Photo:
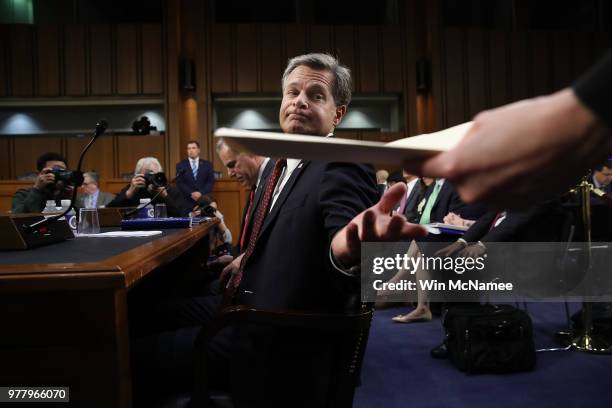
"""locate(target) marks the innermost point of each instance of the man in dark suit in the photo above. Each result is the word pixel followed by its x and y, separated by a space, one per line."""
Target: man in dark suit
pixel 602 180
pixel 440 199
pixel 303 255
pixel 194 176
pixel 251 172
pixel 303 251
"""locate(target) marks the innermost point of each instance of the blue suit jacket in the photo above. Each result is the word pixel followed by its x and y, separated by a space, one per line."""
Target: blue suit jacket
pixel 186 183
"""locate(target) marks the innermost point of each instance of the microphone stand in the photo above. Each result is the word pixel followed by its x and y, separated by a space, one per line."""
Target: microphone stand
pixel 100 128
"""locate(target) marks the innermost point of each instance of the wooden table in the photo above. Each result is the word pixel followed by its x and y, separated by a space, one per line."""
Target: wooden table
pixel 65 324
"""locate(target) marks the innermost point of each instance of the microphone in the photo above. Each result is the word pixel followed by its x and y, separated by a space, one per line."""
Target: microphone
pixel 100 129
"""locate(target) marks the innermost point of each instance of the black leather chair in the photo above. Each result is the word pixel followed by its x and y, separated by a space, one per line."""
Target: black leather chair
pixel 350 330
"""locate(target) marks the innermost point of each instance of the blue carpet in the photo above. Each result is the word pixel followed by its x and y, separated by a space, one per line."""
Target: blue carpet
pixel 398 371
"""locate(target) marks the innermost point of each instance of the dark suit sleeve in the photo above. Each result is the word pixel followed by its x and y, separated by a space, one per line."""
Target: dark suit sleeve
pixel 346 190
pixel 121 200
pixel 594 88
pixel 514 222
pixel 177 205
pixel 206 186
pixel 480 228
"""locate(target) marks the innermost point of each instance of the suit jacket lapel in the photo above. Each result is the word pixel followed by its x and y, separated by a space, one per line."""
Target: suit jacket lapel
pixel 262 183
pixel 284 194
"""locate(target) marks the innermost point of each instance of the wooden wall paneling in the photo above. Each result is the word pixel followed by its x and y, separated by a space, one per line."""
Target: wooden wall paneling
pixel 22 63
pixel 519 66
pixel 344 47
pixel 369 59
pixel 295 37
pixel 561 60
pixel 498 68
pixel 47 44
pixel 347 134
pixel 582 52
pixel 75 75
pixel 151 57
pixel 271 57
pixel 4 59
pixel 541 67
pixel 100 157
pixel 455 99
pixel 131 148
pixel 320 38
pixel 477 74
pixel 126 63
pixel 5 158
pixel 231 199
pixel 220 58
pixel 101 59
pixel 171 140
pixel 384 137
pixel 29 148
pixel 393 60
pixel 246 58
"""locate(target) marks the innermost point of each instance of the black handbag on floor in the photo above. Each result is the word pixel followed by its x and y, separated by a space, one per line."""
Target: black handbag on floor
pixel 489 338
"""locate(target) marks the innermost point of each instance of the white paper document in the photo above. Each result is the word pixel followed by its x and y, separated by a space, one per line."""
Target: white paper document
pixel 274 144
pixel 111 234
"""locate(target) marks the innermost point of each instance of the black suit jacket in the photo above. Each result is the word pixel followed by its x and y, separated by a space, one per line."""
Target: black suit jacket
pixel 414 198
pixel 290 269
pixel 448 200
pixel 537 223
pixel 186 183
pixel 256 199
pixel 290 266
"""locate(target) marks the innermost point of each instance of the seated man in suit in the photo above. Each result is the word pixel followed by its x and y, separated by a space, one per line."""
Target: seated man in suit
pixel 194 176
pixel 139 188
pixel 251 172
pixel 602 180
pixel 92 197
pixel 46 187
pixel 303 253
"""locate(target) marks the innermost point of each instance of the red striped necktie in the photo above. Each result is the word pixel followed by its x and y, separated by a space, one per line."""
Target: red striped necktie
pixel 262 211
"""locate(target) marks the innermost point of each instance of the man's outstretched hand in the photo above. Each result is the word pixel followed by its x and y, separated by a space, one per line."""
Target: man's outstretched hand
pixel 374 225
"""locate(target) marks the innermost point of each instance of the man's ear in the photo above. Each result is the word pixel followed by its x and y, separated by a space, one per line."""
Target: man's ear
pixel 340 112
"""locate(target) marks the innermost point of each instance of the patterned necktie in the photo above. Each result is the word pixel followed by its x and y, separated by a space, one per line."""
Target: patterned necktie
pixel 426 216
pixel 262 211
pixel 194 168
pixel 246 217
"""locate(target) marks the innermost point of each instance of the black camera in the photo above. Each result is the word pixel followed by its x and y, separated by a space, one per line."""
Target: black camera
pixel 67 176
pixel 156 179
pixel 143 126
pixel 209 211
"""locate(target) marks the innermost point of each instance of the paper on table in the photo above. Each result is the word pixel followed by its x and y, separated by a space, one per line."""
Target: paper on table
pixel 122 234
pixel 332 149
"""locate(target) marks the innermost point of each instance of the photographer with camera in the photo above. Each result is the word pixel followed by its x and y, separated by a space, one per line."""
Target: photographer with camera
pixel 52 183
pixel 149 181
pixel 221 238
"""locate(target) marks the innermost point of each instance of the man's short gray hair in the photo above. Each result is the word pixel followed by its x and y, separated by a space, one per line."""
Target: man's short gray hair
pixel 93 176
pixel 147 162
pixel 341 87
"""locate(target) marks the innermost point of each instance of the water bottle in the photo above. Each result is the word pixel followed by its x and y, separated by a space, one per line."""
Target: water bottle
pixel 70 216
pixel 146 211
pixel 49 207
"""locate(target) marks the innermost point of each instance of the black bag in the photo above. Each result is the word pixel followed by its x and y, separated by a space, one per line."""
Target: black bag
pixel 489 338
